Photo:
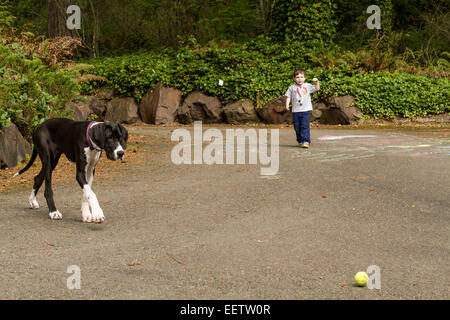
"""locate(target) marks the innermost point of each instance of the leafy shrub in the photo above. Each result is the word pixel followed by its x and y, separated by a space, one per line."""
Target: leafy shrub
pixel 302 20
pixel 37 79
pixel 6 17
pixel 387 95
pixel 57 51
pixel 261 70
pixel 31 92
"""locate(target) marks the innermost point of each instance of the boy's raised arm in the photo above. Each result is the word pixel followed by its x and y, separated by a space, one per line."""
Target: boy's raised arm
pixel 317 83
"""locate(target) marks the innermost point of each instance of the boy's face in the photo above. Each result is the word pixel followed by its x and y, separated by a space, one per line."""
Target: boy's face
pixel 300 79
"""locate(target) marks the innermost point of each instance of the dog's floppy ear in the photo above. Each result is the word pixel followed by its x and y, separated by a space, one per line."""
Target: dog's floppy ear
pixel 123 136
pixel 98 134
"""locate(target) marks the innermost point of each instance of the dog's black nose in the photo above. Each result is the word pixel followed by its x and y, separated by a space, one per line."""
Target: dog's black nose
pixel 120 154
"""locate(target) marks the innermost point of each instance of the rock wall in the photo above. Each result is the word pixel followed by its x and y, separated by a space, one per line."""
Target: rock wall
pixel 163 104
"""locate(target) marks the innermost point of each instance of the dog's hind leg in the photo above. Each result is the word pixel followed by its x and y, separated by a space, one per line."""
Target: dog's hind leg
pixel 38 180
pixel 48 164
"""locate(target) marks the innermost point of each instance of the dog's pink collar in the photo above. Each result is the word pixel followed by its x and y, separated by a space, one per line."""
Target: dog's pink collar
pixel 88 138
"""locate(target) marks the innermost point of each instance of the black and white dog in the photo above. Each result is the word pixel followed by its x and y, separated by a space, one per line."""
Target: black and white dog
pixel 82 142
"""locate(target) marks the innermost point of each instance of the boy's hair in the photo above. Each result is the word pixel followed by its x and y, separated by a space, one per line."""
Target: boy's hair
pixel 298 71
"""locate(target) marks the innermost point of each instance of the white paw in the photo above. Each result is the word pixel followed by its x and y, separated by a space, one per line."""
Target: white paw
pixel 98 216
pixel 34 204
pixel 55 215
pixel 91 199
pixel 86 215
pixel 32 200
pixel 87 219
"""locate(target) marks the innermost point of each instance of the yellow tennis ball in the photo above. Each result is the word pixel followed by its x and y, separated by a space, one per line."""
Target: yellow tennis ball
pixel 361 278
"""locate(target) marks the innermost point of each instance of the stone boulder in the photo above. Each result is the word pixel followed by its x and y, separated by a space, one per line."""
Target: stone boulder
pixel 316 112
pixel 200 107
pixel 81 109
pixel 98 106
pixel 13 147
pixel 122 110
pixel 86 106
pixel 160 105
pixel 340 110
pixel 274 112
pixel 242 111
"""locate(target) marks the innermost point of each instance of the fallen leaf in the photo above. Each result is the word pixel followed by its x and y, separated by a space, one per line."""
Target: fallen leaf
pixel 174 258
pixel 48 243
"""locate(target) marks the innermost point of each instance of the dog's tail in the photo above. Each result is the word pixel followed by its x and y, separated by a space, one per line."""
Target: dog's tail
pixel 33 157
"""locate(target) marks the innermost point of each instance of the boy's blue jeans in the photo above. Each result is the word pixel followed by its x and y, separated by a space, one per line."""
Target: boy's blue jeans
pixel 301 126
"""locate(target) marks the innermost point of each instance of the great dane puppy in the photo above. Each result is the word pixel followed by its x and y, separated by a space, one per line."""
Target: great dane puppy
pixel 81 142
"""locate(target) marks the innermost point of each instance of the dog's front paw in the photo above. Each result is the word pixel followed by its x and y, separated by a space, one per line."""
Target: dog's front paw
pixel 55 215
pixel 87 217
pixel 98 216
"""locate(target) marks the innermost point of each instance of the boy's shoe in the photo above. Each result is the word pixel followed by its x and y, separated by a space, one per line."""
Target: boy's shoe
pixel 304 145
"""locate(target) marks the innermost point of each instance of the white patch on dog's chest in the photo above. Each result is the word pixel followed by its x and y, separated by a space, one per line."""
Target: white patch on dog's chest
pixel 92 157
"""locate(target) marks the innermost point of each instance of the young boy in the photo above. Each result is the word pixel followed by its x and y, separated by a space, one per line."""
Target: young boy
pixel 300 95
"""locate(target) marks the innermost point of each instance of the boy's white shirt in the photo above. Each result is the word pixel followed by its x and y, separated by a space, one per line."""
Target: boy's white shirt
pixel 304 98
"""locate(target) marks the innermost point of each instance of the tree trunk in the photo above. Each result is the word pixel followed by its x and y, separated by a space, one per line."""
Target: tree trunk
pixel 94 48
pixel 57 18
pixel 266 9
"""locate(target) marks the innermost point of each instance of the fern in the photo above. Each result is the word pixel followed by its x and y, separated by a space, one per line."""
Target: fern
pixel 30 91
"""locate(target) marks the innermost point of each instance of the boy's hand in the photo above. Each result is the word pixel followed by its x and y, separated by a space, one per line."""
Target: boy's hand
pixel 317 83
pixel 288 101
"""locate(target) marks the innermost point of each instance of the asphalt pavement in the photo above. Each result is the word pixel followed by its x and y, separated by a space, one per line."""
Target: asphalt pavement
pixel 357 200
